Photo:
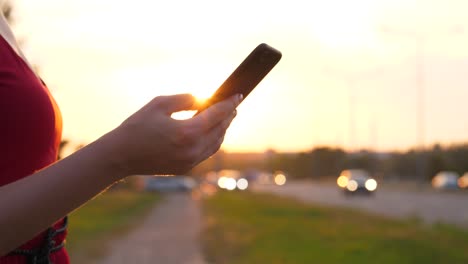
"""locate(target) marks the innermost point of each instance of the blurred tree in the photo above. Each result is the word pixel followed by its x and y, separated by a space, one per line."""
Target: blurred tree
pixel 317 163
pixel 65 148
pixel 437 161
pixel 402 165
pixel 269 160
pixel 301 165
pixel 283 162
pixel 458 157
pixel 62 145
pixel 364 160
pixel 327 162
pixel 79 146
pixel 7 9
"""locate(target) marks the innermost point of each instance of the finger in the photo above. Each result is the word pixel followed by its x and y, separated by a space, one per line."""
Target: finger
pixel 217 113
pixel 175 103
pixel 213 148
pixel 220 129
pixel 210 150
pixel 212 142
pixel 215 137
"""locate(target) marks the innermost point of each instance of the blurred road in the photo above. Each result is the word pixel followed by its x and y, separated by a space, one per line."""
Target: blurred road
pixel 429 206
pixel 168 235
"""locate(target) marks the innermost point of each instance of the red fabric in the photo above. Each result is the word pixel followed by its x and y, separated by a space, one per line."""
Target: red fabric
pixel 30 133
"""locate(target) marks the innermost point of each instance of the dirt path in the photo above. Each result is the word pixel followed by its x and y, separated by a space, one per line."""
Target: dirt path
pixel 168 235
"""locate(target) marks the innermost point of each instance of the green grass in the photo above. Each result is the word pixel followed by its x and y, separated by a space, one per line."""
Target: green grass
pixel 103 219
pixel 261 228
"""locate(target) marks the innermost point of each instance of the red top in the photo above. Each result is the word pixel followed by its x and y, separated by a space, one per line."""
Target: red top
pixel 30 133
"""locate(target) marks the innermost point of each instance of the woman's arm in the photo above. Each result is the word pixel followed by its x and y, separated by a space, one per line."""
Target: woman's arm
pixel 149 142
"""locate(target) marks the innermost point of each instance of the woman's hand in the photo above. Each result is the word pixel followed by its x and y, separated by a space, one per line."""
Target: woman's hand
pixel 151 142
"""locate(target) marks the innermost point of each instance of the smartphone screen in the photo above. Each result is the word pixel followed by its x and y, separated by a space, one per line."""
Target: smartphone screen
pixel 247 75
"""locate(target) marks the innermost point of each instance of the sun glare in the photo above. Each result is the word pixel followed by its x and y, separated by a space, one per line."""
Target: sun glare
pixel 345 24
pixel 183 115
pixel 200 97
pixel 141 83
pixel 202 94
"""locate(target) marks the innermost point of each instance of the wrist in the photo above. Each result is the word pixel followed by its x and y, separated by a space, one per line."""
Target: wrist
pixel 113 156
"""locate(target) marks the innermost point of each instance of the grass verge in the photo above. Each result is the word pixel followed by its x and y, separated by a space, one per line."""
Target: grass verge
pixel 103 219
pixel 261 228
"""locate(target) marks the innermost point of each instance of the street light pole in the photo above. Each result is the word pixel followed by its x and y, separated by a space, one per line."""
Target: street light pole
pixel 352 82
pixel 420 86
pixel 420 43
pixel 352 120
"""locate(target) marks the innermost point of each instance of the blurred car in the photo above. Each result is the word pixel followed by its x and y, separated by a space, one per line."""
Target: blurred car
pixel 463 181
pixel 170 183
pixel 445 180
pixel 356 181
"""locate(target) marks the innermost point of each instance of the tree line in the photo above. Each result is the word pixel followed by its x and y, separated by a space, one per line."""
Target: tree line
pixel 328 162
pixel 418 165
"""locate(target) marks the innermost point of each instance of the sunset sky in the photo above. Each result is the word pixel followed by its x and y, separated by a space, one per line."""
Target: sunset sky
pixel 348 76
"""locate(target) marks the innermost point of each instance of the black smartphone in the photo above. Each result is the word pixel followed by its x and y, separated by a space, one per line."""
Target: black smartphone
pixel 247 75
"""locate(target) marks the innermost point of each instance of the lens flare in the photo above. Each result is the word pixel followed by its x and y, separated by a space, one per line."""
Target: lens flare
pixel 463 181
pixel 222 182
pixel 280 179
pixel 230 184
pixel 342 181
pixel 242 184
pixel 371 185
pixel 352 185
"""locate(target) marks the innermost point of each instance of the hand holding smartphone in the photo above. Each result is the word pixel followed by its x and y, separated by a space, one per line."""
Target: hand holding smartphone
pixel 247 75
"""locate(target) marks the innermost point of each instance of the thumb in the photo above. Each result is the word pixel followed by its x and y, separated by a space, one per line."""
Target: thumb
pixel 175 103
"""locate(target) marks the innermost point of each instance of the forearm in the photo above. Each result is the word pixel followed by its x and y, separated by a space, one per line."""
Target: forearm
pixel 148 142
pixel 32 204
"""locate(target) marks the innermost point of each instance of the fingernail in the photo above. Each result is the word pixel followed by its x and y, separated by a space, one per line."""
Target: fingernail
pixel 241 96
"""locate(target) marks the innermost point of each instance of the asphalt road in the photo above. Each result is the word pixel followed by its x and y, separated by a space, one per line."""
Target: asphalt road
pixel 429 206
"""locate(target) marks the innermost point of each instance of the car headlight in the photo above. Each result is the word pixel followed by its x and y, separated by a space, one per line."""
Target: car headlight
pixel 371 185
pixel 352 185
pixel 342 181
pixel 242 184
pixel 231 184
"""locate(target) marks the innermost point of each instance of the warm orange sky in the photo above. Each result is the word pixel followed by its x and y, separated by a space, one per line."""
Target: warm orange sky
pixel 105 59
